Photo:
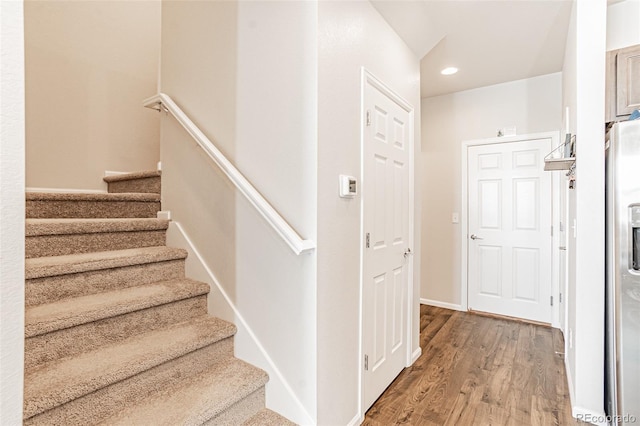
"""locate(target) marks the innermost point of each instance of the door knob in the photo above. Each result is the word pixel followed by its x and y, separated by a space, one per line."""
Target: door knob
pixel 407 252
pixel 475 237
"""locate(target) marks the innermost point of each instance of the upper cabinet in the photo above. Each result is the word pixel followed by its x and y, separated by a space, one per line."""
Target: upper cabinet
pixel 623 83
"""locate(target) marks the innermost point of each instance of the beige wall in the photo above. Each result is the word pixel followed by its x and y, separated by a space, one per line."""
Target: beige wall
pixel 89 65
pixel 351 34
pixel 532 105
pixel 240 75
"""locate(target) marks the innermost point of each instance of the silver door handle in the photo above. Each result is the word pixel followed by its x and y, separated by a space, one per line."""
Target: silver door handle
pixel 407 252
pixel 475 237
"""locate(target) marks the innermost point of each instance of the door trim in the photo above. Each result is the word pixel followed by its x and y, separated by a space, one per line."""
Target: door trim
pixel 555 213
pixel 368 77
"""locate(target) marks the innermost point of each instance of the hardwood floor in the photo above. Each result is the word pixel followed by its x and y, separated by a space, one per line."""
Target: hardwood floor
pixel 477 370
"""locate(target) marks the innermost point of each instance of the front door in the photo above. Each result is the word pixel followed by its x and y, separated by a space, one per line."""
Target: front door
pixel 509 229
pixel 386 258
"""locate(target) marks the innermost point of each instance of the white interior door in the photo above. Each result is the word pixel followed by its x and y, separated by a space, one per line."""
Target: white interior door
pixel 385 279
pixel 509 229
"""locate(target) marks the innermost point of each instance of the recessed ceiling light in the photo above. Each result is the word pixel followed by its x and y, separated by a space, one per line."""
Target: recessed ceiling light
pixel 449 71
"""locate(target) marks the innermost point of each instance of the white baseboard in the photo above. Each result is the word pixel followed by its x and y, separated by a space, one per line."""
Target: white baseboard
pixel 66 190
pixel 358 419
pixel 108 173
pixel 291 406
pixel 572 395
pixel 589 416
pixel 164 215
pixel 440 304
pixel 580 412
pixel 415 355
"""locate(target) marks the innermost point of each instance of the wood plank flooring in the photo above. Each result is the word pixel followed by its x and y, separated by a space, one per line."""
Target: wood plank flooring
pixel 477 370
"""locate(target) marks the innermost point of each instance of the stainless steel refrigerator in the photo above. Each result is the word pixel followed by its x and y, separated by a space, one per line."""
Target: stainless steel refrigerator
pixel 623 273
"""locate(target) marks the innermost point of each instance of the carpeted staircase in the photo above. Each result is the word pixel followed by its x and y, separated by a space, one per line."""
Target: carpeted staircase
pixel 115 333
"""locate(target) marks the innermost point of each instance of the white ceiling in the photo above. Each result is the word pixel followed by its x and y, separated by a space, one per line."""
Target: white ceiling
pixel 490 41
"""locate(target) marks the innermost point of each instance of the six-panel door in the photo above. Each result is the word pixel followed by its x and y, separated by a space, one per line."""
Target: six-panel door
pixel 509 214
pixel 386 220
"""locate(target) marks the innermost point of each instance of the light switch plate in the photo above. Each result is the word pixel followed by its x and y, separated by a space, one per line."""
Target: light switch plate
pixel 455 218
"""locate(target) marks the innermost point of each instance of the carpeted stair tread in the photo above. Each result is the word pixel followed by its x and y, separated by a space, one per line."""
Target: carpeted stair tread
pixel 36 227
pixel 67 313
pixel 197 400
pixel 59 237
pixel 147 182
pixel 95 197
pixel 90 336
pixel 51 288
pixel 92 205
pixel 107 402
pixel 64 380
pixel 266 417
pixel 133 175
pixel 82 262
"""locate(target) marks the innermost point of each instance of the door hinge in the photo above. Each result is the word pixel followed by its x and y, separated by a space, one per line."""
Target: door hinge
pixel 552 230
pixel 551 300
pixel 560 297
pixel 367 239
pixel 368 120
pixel 366 362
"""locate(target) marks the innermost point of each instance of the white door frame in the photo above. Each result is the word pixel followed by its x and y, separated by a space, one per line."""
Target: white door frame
pixel 555 212
pixel 368 77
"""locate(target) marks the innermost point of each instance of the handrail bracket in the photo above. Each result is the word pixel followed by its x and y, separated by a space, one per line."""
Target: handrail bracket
pixel 158 106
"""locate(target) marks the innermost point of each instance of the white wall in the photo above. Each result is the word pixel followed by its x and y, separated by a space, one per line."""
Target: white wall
pixel 623 24
pixel 89 65
pixel 245 72
pixel 11 211
pixel 583 84
pixel 532 105
pixel 569 99
pixel 351 34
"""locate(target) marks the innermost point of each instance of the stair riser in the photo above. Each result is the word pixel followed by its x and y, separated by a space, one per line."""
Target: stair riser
pixel 74 340
pixel 42 209
pixel 60 245
pixel 106 402
pixel 51 289
pixel 239 412
pixel 146 185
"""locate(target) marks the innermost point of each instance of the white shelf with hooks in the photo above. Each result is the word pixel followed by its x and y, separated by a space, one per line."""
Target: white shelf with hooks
pixel 562 157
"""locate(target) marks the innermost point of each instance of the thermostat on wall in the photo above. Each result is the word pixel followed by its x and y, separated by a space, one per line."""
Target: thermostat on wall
pixel 348 186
